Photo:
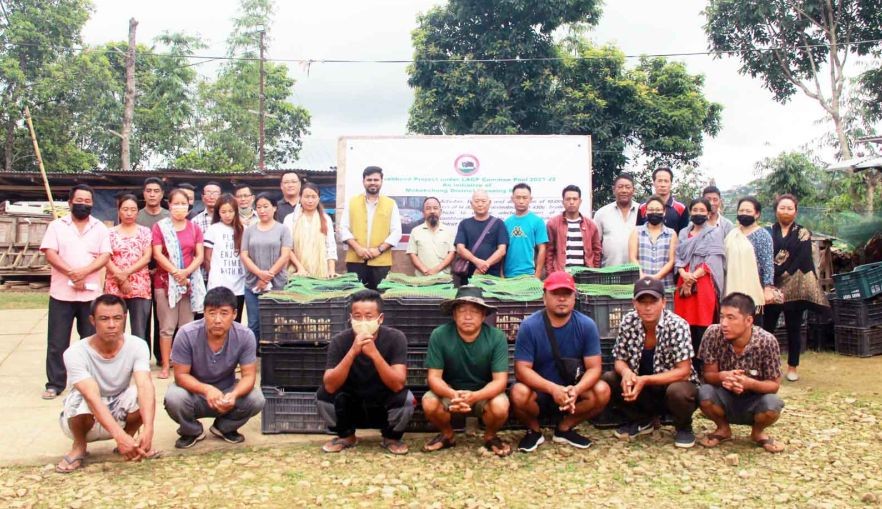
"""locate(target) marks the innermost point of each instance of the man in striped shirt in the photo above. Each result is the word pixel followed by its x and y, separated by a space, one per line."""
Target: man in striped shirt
pixel 573 239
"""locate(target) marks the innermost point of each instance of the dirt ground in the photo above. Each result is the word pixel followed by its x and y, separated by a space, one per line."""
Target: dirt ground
pixel 831 430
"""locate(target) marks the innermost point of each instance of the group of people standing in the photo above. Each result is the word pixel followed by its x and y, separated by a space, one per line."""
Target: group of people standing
pixel 170 260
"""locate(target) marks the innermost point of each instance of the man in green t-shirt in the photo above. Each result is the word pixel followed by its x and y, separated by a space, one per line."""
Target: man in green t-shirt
pixel 467 362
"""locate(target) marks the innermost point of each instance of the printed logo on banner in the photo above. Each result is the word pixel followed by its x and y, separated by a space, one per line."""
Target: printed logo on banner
pixel 466 165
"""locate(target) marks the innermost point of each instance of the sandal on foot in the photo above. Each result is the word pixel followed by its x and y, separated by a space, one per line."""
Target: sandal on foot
pixel 50 393
pixel 497 447
pixel 713 440
pixel 433 444
pixel 396 447
pixel 71 464
pixel 770 445
pixel 339 444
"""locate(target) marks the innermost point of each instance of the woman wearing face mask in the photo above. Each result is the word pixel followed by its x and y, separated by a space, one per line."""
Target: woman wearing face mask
pixel 795 276
pixel 652 245
pixel 223 240
pixel 127 274
pixel 314 252
pixel 749 267
pixel 700 260
pixel 265 252
pixel 178 285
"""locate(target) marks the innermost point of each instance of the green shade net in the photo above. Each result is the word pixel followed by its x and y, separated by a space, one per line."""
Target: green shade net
pixel 615 269
pixel 623 292
pixel 305 289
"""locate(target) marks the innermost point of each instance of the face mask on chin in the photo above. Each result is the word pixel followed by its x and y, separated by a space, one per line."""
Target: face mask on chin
pixel 367 327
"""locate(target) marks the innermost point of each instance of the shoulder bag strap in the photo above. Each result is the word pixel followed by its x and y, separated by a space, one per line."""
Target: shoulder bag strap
pixel 555 351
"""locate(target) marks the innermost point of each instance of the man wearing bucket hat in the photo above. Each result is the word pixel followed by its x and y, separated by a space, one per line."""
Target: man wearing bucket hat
pixel 557 364
pixel 653 371
pixel 467 364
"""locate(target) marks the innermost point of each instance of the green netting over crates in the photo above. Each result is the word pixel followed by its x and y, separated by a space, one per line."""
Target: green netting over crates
pixel 304 289
pixel 397 279
pixel 624 292
pixel 614 275
pixel 442 291
pixel 517 289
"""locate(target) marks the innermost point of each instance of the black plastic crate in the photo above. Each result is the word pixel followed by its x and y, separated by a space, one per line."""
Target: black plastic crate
pixel 415 317
pixel 288 322
pixel 821 337
pixel 300 367
pixel 784 341
pixel 626 277
pixel 606 312
pixel 857 312
pixel 510 314
pixel 417 372
pixel 858 341
pixel 290 412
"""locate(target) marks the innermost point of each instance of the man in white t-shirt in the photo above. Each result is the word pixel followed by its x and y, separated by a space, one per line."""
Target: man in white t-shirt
pixel 102 403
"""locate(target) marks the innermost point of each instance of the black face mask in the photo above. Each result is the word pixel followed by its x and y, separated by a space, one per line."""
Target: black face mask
pixel 80 210
pixel 699 220
pixel 745 219
pixel 655 219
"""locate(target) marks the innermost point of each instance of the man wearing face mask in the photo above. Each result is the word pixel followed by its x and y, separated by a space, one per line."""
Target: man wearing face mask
pixel 431 244
pixel 190 190
pixel 76 247
pixel 364 380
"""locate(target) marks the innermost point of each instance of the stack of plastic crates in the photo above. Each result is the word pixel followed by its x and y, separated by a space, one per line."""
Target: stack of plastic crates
pixel 857 311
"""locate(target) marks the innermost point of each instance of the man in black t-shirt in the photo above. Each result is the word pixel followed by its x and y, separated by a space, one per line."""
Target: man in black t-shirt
pixel 364 381
pixel 484 258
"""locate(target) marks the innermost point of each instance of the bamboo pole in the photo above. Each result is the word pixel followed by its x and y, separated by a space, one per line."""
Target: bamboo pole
pixel 27 113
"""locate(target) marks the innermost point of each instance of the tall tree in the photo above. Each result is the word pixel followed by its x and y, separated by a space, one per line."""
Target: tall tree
pixel 228 107
pixel 129 107
pixel 797 45
pixel 655 111
pixel 33 34
pixel 788 173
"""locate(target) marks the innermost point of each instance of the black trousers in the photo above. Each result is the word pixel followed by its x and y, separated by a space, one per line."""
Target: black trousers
pixel 678 399
pixel 345 411
pixel 793 324
pixel 62 314
pixel 370 276
pixel 697 332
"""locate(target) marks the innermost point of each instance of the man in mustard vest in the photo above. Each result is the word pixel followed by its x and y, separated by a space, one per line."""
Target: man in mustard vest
pixel 370 226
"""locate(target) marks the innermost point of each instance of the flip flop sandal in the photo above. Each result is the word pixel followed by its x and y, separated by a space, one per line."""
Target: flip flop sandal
pixel 770 442
pixel 446 443
pixel 718 438
pixel 70 462
pixel 341 442
pixel 49 394
pixel 497 447
pixel 388 444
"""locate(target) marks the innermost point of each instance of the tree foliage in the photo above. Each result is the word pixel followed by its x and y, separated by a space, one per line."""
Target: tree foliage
pixel 76 96
pixel 788 173
pixel 797 45
pixel 654 111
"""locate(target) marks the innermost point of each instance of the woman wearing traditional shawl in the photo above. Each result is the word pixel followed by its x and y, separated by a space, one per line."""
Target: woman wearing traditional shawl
pixel 700 262
pixel 178 285
pixel 315 250
pixel 749 267
pixel 795 277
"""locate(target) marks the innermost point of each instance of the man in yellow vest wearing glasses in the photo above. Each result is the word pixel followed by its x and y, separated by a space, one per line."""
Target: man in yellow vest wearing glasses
pixel 370 226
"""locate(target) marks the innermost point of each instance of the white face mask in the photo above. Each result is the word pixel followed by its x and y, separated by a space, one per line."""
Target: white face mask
pixel 368 327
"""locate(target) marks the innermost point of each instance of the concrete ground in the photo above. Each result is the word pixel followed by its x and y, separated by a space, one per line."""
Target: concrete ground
pixel 30 434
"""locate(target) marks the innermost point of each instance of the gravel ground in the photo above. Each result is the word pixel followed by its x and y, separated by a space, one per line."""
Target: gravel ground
pixel 833 459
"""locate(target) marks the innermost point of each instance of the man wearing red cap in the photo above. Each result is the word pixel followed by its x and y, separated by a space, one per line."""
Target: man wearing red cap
pixel 557 364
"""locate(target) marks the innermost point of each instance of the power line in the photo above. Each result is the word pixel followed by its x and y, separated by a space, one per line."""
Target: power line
pixel 310 61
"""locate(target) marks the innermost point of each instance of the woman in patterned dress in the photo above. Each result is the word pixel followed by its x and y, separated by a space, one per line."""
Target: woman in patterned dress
pixel 749 267
pixel 653 245
pixel 127 274
pixel 795 276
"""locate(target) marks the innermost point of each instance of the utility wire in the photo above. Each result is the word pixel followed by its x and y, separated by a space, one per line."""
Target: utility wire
pixel 309 61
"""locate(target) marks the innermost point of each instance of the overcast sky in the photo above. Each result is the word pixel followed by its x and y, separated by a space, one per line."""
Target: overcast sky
pixel 373 99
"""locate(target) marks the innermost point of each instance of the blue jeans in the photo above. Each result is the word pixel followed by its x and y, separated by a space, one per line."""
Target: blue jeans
pixel 252 306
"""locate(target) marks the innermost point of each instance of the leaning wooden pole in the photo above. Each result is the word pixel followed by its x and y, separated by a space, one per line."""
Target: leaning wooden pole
pixel 27 113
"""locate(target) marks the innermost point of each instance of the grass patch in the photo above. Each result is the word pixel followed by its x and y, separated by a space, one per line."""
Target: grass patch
pixel 24 300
